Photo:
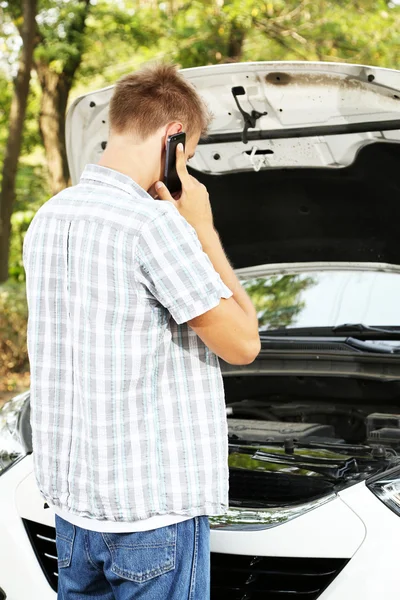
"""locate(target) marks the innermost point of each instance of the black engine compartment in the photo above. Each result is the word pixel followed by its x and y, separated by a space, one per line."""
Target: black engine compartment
pixel 344 405
pixel 294 439
pixel 311 214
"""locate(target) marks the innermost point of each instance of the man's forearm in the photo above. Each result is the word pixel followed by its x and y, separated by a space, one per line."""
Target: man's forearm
pixel 212 246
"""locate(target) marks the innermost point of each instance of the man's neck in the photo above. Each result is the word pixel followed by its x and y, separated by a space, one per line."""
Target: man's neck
pixel 131 162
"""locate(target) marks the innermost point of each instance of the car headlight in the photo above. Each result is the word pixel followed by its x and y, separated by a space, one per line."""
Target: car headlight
pixel 386 487
pixel 15 437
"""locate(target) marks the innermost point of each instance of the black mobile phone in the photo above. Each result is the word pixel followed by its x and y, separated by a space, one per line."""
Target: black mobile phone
pixel 171 178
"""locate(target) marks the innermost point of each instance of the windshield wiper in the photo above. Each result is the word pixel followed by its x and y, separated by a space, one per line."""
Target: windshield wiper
pixel 356 330
pixel 352 328
pixel 368 346
pixel 277 342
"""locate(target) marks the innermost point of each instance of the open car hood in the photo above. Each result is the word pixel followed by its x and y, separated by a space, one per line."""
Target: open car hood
pixel 312 179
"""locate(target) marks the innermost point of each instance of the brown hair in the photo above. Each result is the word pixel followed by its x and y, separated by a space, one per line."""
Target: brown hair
pixel 154 96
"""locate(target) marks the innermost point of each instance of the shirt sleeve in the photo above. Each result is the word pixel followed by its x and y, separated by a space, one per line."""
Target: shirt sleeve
pixel 173 266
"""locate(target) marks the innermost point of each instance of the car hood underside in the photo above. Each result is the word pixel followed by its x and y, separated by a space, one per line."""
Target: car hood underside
pixel 311 214
pixel 313 174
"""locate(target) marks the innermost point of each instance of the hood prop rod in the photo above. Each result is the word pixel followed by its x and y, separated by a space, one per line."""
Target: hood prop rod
pixel 250 120
pixel 304 131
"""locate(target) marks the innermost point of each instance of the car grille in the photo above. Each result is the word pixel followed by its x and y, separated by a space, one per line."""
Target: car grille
pixel 43 540
pixel 237 577
pixel 233 577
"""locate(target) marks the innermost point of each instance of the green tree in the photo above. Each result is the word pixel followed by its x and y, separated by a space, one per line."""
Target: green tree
pixel 366 31
pixel 58 53
pixel 65 36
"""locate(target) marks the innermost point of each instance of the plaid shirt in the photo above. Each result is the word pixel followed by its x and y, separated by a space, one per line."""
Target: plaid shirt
pixel 128 412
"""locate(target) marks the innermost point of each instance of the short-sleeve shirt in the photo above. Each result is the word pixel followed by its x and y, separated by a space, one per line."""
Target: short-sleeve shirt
pixel 127 403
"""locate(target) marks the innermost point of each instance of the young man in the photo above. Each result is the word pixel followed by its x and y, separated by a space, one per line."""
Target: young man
pixel 131 302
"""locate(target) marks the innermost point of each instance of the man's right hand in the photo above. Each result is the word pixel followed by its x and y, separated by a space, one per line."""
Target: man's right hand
pixel 193 203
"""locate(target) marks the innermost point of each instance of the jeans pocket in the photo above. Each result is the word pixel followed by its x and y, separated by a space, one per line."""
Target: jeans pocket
pixel 65 536
pixel 142 555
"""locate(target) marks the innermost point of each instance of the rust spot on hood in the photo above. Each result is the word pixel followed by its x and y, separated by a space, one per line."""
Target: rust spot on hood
pixel 278 78
pixel 321 79
pixel 362 82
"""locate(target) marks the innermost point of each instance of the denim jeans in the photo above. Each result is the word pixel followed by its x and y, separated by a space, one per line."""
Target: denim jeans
pixel 168 563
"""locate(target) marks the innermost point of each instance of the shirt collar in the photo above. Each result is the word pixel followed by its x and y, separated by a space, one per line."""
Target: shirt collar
pixel 101 174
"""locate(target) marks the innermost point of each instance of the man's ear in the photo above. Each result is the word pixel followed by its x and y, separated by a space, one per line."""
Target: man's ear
pixel 171 129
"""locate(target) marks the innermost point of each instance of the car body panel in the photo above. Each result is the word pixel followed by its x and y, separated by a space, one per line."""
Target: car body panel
pixel 332 532
pixel 20 573
pixel 373 571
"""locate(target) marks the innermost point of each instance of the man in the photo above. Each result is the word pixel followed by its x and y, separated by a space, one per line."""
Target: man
pixel 131 302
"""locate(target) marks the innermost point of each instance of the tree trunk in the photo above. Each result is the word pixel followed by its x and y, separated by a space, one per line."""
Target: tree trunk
pixel 16 122
pixel 53 105
pixel 55 91
pixel 235 43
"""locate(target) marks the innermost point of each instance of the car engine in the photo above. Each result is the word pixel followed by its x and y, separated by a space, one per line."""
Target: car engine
pixel 305 438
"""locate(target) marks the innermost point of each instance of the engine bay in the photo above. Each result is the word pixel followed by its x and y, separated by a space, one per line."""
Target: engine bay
pixel 298 438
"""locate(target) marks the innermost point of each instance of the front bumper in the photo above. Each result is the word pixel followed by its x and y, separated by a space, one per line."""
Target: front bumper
pixel 355 533
pixel 373 571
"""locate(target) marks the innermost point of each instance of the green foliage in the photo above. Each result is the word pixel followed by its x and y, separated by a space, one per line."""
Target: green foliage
pixel 363 32
pixel 59 25
pixel 201 34
pixel 32 186
pixel 5 104
pixel 32 192
pixel 13 327
pixel 132 37
pixel 31 139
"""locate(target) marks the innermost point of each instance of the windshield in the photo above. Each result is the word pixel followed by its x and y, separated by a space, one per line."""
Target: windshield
pixel 325 298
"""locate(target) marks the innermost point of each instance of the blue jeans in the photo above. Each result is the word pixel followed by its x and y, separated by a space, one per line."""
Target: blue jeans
pixel 168 563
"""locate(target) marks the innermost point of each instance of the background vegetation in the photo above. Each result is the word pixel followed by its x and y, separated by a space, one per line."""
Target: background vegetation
pixel 81 45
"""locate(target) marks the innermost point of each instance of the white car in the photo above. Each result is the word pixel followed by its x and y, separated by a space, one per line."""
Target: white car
pixel 302 164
